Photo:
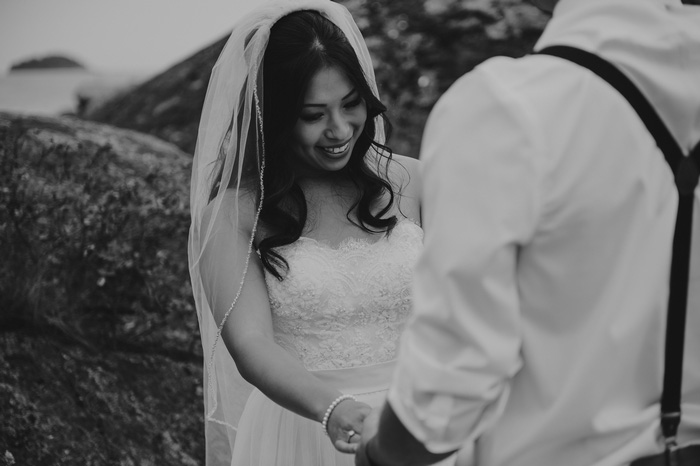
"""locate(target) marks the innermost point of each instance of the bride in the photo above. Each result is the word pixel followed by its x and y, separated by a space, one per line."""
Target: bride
pixel 305 230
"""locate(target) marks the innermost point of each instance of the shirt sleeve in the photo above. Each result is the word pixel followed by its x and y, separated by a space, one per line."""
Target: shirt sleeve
pixel 480 204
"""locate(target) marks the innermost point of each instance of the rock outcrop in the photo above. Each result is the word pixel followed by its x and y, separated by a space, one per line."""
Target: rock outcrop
pixel 100 360
pixel 50 62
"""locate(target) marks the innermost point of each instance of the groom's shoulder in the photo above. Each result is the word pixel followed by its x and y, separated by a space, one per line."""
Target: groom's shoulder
pixel 499 79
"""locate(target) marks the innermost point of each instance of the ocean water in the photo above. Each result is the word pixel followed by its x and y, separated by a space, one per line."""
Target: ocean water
pixel 52 92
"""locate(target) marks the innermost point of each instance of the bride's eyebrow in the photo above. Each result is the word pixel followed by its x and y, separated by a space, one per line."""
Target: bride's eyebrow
pixel 347 96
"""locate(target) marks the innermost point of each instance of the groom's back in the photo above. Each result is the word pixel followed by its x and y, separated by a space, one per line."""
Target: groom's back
pixel 593 280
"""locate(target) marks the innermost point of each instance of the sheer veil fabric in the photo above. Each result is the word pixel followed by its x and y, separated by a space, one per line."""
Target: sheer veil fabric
pixel 229 142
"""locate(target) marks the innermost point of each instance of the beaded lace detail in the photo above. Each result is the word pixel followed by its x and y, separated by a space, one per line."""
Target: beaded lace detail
pixel 345 306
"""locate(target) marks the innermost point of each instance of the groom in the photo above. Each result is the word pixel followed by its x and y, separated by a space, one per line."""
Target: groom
pixel 540 298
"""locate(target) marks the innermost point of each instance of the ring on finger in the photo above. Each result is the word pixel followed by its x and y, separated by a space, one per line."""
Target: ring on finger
pixel 350 434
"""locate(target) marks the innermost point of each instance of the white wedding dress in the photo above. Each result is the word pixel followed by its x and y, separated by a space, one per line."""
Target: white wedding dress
pixel 340 310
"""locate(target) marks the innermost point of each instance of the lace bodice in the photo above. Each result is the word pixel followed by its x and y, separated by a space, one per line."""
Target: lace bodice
pixel 345 306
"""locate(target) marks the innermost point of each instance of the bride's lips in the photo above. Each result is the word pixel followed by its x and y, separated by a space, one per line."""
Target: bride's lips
pixel 336 150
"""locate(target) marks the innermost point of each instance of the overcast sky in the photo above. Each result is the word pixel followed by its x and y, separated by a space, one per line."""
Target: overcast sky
pixel 113 35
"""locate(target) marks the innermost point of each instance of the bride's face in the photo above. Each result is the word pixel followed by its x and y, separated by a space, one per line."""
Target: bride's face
pixel 332 118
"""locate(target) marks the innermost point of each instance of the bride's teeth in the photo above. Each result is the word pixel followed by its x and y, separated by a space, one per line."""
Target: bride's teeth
pixel 336 150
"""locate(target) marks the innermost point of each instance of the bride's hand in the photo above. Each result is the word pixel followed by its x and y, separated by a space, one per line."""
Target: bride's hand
pixel 345 425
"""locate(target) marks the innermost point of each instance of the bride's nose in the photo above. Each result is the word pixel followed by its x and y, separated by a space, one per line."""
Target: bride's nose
pixel 339 128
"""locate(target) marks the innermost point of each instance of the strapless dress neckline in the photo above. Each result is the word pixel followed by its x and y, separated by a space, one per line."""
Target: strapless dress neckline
pixel 345 305
pixel 365 241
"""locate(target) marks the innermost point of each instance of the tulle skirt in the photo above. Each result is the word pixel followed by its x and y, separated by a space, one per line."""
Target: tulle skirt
pixel 269 435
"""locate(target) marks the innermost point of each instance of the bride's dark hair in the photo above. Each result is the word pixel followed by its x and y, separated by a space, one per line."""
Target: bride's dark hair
pixel 301 44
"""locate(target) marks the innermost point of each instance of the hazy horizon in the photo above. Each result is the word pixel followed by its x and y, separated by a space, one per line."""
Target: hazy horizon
pixel 135 36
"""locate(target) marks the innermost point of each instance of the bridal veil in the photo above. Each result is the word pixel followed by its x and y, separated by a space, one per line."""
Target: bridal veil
pixel 230 144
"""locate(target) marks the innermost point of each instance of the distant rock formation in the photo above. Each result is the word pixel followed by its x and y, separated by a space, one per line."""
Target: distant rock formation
pixel 50 62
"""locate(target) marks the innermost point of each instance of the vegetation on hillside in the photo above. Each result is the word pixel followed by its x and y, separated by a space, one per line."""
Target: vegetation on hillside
pixel 420 47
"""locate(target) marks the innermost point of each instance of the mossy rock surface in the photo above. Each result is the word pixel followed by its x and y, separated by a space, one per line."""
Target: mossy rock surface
pixel 100 360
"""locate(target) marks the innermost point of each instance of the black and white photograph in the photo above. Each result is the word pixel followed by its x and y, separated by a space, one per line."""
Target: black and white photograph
pixel 349 232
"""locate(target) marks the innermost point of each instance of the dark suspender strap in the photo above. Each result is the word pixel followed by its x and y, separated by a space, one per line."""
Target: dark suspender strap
pixel 686 172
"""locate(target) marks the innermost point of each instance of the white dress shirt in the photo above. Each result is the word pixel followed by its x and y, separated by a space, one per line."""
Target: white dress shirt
pixel 540 297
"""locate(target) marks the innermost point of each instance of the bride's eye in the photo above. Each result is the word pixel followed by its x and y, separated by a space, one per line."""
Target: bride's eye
pixel 354 103
pixel 310 117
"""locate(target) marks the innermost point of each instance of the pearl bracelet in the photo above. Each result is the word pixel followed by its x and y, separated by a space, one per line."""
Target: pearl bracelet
pixel 330 409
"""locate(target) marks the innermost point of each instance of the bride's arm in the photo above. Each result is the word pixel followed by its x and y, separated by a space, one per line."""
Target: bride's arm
pixel 248 336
